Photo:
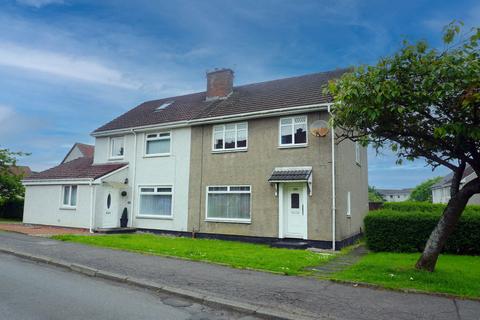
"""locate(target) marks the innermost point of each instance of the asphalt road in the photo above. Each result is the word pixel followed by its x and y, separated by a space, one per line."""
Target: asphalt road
pixel 30 291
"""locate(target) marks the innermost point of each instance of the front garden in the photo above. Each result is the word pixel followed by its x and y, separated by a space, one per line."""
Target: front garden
pixel 230 253
pixel 398 233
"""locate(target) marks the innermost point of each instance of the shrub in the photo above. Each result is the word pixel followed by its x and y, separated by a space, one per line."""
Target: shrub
pixel 408 231
pixel 410 206
pixel 12 209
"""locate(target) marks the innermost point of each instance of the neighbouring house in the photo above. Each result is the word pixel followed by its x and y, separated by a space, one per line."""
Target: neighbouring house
pixel 234 162
pixel 441 190
pixel 23 171
pixel 395 195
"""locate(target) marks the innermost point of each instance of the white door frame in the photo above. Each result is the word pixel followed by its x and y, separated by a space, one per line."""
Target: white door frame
pixel 281 209
pixel 114 204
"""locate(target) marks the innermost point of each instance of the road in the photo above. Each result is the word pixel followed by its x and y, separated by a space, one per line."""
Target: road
pixel 30 291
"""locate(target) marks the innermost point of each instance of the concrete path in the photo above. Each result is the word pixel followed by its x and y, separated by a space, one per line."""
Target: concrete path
pixel 302 296
pixel 31 291
pixel 341 262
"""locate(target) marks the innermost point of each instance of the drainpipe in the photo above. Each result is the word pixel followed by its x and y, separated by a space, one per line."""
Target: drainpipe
pixel 92 206
pixel 133 175
pixel 333 185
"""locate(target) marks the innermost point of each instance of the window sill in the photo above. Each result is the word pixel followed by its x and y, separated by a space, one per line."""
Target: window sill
pixel 115 158
pixel 229 151
pixel 304 145
pixel 228 221
pixel 154 217
pixel 158 155
pixel 68 208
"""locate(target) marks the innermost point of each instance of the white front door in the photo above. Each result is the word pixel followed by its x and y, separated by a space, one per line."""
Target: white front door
pixel 110 215
pixel 295 211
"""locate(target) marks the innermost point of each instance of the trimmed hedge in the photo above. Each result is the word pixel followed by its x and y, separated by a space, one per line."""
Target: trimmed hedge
pixel 408 231
pixel 410 206
pixel 12 209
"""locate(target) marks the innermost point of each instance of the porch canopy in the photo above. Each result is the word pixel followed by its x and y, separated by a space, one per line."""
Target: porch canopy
pixel 291 174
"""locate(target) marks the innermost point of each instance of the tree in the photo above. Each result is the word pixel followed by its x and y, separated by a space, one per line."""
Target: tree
pixel 423 191
pixel 10 184
pixel 420 102
pixel 374 195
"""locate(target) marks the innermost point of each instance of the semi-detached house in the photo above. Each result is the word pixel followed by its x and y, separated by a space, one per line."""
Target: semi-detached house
pixel 234 162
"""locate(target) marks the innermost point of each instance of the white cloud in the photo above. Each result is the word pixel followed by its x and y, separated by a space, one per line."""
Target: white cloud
pixel 39 3
pixel 63 65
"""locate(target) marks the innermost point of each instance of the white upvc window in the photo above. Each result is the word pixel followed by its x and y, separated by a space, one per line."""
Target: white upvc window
pixel 229 204
pixel 293 131
pixel 158 144
pixel 117 147
pixel 357 152
pixel 69 199
pixel 230 136
pixel 349 204
pixel 156 201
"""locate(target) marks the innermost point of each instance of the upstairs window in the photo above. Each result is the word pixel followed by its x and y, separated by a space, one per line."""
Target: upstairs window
pixel 157 144
pixel 293 131
pixel 116 148
pixel 232 136
pixel 69 196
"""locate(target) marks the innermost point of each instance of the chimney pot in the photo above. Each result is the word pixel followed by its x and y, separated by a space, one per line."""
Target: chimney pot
pixel 219 84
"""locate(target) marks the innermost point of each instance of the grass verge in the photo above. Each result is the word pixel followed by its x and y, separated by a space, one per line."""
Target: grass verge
pixel 455 275
pixel 231 253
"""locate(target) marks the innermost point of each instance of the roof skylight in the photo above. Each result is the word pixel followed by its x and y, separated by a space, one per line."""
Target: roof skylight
pixel 164 105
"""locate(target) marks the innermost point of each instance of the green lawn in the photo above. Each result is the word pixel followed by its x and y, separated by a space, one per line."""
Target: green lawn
pixel 456 275
pixel 231 253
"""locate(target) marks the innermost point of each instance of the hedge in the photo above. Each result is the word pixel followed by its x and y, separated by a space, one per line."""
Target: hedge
pixel 408 231
pixel 12 209
pixel 410 206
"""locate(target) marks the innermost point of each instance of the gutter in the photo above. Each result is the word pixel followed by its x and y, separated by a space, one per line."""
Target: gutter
pixel 333 186
pixel 235 117
pixel 134 175
pixel 92 207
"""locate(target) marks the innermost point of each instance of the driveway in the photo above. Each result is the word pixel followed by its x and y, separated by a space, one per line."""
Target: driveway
pixel 37 230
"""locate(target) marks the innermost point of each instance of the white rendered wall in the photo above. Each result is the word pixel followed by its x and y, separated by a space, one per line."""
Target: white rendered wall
pixel 172 170
pixel 43 206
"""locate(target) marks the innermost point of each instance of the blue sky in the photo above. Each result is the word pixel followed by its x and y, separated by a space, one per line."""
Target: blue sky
pixel 67 66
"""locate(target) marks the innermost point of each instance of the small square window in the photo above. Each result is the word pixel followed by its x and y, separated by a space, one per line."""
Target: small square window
pixel 158 144
pixel 293 131
pixel 116 147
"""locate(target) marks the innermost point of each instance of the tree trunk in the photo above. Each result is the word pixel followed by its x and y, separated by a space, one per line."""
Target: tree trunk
pixel 446 225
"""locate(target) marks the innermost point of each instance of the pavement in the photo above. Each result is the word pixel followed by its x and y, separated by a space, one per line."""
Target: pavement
pixel 37 230
pixel 291 297
pixel 32 291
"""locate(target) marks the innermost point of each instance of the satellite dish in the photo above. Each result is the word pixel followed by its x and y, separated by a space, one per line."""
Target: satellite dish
pixel 319 128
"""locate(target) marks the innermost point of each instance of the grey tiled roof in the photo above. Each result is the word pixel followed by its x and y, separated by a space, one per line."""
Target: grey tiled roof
pixel 281 174
pixel 447 180
pixel 270 95
pixel 394 191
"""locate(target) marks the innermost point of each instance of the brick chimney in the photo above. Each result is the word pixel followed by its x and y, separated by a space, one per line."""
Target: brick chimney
pixel 219 84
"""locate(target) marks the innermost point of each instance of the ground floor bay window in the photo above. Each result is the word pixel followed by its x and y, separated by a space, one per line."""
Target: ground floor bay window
pixel 156 202
pixel 229 203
